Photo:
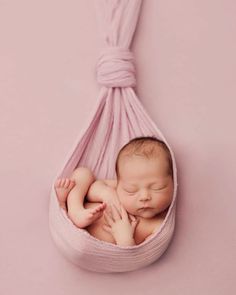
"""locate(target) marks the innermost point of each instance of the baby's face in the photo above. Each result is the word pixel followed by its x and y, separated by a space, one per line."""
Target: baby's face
pixel 144 183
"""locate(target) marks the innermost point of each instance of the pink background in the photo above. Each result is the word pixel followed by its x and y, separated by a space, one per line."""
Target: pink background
pixel 186 68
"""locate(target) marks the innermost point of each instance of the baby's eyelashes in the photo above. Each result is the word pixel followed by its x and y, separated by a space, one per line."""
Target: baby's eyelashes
pixel 160 188
pixel 129 192
pixel 152 189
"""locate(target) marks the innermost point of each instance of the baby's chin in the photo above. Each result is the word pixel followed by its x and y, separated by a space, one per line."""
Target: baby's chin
pixel 146 213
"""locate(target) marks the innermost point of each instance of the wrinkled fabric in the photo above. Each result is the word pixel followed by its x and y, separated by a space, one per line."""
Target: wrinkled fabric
pixel 117 117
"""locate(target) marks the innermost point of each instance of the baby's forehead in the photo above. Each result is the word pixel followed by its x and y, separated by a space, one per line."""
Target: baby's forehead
pixel 151 180
pixel 140 165
pixel 126 156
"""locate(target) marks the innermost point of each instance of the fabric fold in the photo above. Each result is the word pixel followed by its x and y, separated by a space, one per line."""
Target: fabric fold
pixel 118 116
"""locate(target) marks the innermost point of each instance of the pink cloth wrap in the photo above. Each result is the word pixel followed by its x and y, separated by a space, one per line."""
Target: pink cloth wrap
pixel 117 117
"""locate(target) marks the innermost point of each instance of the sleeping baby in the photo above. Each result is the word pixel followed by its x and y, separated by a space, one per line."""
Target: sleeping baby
pixel 126 210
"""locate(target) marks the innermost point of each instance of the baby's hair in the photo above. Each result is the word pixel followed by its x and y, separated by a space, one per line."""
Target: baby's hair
pixel 146 146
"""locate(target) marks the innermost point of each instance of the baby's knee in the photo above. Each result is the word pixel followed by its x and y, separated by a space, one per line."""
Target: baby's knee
pixel 83 173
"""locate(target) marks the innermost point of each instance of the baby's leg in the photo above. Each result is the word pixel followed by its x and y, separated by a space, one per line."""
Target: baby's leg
pixel 82 217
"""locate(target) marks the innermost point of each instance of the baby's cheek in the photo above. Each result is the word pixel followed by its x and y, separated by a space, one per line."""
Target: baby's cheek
pixel 125 201
pixel 163 202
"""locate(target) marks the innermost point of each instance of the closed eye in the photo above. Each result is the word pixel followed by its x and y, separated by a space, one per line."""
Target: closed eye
pixel 159 189
pixel 129 192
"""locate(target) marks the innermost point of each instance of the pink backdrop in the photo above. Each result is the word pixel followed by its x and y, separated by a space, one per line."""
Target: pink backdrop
pixel 186 68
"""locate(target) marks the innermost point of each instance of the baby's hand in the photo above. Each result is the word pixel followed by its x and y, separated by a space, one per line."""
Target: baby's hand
pixel 118 224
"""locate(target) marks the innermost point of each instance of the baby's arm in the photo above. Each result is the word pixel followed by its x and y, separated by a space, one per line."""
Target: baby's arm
pixel 83 178
pixel 101 190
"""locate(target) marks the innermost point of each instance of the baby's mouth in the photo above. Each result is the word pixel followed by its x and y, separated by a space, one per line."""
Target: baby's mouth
pixel 145 208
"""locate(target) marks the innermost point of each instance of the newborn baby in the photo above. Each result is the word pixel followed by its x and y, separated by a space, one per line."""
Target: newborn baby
pixel 126 210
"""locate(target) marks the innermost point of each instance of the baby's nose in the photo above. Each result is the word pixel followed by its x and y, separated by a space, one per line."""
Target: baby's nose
pixel 145 196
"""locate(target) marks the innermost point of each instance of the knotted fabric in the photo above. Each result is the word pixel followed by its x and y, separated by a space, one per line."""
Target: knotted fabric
pixel 115 68
pixel 117 117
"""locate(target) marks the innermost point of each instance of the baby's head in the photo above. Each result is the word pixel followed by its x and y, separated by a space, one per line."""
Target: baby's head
pixel 144 176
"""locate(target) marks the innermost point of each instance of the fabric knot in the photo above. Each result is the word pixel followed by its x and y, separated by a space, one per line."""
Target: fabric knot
pixel 115 68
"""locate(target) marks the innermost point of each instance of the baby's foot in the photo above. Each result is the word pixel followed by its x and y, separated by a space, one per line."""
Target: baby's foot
pixel 62 187
pixel 85 217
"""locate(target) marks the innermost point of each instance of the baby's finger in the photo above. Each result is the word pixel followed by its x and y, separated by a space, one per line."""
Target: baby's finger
pixel 124 214
pixel 110 212
pixel 116 212
pixel 107 218
pixel 132 218
pixel 117 203
pixel 134 223
pixel 107 228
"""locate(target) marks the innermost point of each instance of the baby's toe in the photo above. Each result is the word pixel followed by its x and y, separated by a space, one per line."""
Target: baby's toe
pixel 96 210
pixel 67 183
pixel 58 182
pixel 71 183
pixel 102 206
pixel 62 182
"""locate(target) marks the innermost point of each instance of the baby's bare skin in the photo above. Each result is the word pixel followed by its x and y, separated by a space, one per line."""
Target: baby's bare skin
pixel 94 211
pixel 144 228
pixel 137 177
pixel 78 215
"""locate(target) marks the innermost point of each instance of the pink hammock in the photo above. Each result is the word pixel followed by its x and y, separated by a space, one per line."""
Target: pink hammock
pixel 117 118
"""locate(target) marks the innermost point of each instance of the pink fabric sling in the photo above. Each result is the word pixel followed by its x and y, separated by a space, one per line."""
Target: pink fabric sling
pixel 117 117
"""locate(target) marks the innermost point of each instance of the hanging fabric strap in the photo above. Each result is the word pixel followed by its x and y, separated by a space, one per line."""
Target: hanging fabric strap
pixel 117 20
